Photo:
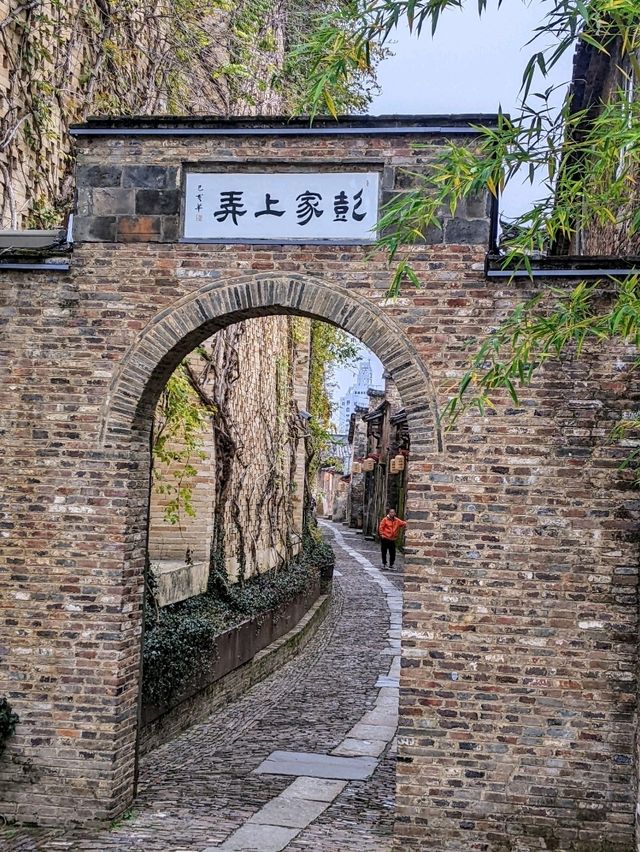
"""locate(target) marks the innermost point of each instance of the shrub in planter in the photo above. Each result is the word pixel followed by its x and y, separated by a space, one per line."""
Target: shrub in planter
pixel 180 639
pixel 179 644
pixel 8 722
pixel 317 552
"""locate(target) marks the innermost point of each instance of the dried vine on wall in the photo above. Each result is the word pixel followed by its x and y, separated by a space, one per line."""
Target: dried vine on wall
pixel 267 497
pixel 66 60
pixel 244 489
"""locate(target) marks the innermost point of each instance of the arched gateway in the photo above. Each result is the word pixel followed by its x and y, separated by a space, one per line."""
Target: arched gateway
pixel 170 336
pixel 518 688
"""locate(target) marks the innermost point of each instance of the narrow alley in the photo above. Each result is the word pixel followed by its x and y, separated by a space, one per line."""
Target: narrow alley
pixel 305 760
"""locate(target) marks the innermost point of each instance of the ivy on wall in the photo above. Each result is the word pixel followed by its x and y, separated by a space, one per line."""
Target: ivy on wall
pixel 180 639
pixel 8 722
pixel 330 347
pixel 67 60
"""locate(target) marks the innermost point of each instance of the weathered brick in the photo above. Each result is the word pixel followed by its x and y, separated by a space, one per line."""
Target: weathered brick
pixel 94 229
pixel 140 229
pixel 107 201
pixel 99 175
pixel 150 177
pixel 171 232
pixel 511 554
pixel 467 231
pixel 158 202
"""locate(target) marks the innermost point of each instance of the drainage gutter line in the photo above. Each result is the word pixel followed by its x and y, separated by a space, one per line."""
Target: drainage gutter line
pixel 51 267
pixel 435 130
pixel 561 273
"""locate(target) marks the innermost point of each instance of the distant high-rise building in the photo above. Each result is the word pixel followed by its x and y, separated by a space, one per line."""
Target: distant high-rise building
pixel 356 395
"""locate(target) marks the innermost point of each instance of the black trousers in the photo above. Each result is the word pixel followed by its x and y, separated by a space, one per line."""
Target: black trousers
pixel 388 546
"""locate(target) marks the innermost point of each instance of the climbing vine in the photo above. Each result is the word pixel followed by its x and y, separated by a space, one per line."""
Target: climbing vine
pixel 200 399
pixel 330 346
pixel 180 639
pixel 8 722
pixel 181 419
pixel 68 60
pixel 263 493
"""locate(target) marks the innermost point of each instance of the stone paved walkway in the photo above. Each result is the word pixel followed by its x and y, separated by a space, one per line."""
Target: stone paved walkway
pixel 304 761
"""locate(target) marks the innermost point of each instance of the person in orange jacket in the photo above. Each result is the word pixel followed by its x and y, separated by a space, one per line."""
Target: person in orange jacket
pixel 388 530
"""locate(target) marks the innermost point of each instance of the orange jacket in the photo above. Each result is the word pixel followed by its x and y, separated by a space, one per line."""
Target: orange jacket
pixel 389 529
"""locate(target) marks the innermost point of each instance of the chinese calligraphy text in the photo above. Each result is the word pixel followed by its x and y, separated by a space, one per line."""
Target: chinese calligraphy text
pixel 282 206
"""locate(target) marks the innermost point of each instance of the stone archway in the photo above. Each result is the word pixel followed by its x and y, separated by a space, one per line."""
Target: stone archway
pixel 143 370
pixel 178 329
pixel 521 612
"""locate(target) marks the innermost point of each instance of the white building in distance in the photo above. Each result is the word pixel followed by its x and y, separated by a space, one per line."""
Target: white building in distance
pixel 356 395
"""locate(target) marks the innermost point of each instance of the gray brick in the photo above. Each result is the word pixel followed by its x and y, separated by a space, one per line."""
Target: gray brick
pixel 108 201
pixel 99 175
pixel 170 229
pixel 150 177
pixel 466 231
pixel 406 178
pixel 158 202
pixel 477 206
pixel 94 229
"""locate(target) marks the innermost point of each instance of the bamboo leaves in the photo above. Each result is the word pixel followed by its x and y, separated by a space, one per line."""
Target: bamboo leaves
pixel 587 156
pixel 549 326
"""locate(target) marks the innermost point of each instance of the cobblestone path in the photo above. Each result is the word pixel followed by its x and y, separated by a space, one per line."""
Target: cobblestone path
pixel 334 706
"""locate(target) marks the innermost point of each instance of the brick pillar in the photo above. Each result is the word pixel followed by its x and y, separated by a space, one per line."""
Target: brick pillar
pixel 71 597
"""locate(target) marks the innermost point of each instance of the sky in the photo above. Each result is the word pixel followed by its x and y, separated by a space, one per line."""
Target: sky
pixel 472 65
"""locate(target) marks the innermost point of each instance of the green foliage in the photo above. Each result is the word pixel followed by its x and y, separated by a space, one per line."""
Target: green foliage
pixel 123 819
pixel 43 215
pixel 270 37
pixel 331 30
pixel 179 643
pixel 180 639
pixel 140 57
pixel 587 155
pixel 332 462
pixel 316 551
pixel 590 160
pixel 252 41
pixel 181 420
pixel 593 187
pixel 330 346
pixel 8 722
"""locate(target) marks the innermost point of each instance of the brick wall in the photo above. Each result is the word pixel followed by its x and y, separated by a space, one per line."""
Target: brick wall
pixel 193 534
pixel 518 686
pixel 355 495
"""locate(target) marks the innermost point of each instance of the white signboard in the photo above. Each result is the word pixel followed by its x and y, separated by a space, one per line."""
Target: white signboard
pixel 339 207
